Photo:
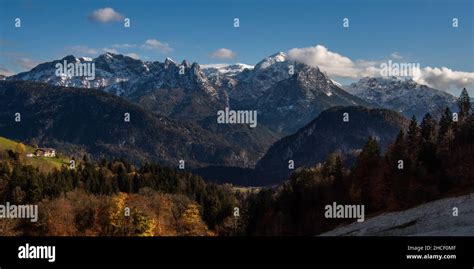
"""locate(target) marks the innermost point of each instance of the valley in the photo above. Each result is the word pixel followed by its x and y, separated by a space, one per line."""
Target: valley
pixel 228 150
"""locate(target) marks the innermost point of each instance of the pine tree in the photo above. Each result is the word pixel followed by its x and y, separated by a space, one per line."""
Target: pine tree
pixel 363 175
pixel 413 134
pixel 397 150
pixel 400 137
pixel 338 173
pixel 445 124
pixel 371 149
pixel 339 185
pixel 427 129
pixel 464 104
pixel 396 173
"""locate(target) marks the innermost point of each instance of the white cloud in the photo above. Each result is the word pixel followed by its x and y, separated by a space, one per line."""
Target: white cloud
pixel 337 65
pixel 153 44
pixel 104 15
pixel 133 55
pixel 444 78
pixel 81 49
pixel 223 53
pixel 332 63
pixel 216 65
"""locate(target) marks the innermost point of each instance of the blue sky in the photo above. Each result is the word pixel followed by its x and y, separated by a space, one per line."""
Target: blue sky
pixel 414 31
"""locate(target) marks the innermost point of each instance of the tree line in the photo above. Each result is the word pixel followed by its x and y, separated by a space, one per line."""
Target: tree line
pixel 430 160
pixel 20 183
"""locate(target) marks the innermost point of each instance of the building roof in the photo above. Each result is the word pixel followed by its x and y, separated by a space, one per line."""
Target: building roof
pixel 46 149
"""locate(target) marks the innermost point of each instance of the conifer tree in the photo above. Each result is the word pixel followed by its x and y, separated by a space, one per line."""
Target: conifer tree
pixel 427 129
pixel 464 104
pixel 413 134
pixel 445 124
pixel 363 175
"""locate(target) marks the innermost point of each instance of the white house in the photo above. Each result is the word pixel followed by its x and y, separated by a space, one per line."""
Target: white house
pixel 45 152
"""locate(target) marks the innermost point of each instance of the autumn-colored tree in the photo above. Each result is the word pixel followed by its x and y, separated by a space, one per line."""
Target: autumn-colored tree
pixel 20 149
pixel 143 225
pixel 116 215
pixel 191 222
pixel 57 218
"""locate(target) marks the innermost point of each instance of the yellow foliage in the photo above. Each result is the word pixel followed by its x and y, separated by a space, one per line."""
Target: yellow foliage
pixel 138 223
pixel 20 148
pixel 117 213
pixel 80 214
pixel 191 221
pixel 143 224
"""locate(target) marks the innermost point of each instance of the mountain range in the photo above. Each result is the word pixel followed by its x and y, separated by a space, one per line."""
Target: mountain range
pixel 187 92
pixel 293 102
pixel 269 86
pixel 174 108
pixel 74 119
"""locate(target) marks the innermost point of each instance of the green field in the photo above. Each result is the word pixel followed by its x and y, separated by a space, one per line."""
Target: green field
pixel 43 163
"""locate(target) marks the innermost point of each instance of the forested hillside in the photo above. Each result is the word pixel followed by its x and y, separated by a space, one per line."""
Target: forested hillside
pixel 94 198
pixel 432 160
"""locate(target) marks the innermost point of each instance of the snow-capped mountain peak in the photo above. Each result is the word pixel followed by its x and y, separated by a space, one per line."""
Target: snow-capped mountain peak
pixel 271 60
pixel 85 59
pixel 109 55
pixel 123 75
pixel 336 83
pixel 402 95
pixel 169 61
pixel 225 69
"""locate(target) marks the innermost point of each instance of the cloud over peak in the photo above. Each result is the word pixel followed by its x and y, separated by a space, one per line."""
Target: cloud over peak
pixel 133 55
pixel 331 62
pixel 444 78
pixel 337 65
pixel 223 53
